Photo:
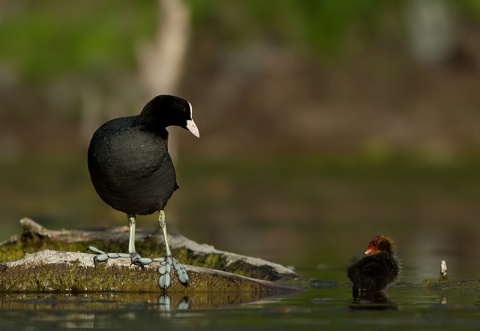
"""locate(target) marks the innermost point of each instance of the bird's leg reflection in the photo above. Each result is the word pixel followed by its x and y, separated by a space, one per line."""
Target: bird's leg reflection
pixel 444 297
pixel 164 303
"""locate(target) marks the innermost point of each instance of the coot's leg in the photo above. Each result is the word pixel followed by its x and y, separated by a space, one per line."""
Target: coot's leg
pixel 132 253
pixel 167 262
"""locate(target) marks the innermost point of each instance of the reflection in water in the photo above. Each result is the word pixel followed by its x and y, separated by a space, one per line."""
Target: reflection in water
pixel 319 308
pixel 372 300
pixel 165 304
pixel 444 297
pixel 95 310
pixel 108 301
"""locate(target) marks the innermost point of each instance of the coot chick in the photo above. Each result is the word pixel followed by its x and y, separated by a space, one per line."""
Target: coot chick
pixel 132 171
pixel 378 269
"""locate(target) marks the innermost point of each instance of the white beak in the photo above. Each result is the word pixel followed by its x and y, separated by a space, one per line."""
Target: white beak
pixel 193 128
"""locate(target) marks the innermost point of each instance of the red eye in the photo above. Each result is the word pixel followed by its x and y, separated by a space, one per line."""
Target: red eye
pixel 185 110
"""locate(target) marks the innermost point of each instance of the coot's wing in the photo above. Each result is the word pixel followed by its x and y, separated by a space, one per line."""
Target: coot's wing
pixel 130 167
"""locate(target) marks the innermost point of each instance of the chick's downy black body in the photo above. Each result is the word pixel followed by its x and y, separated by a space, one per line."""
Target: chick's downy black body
pixel 374 273
pixel 132 171
pixel 378 269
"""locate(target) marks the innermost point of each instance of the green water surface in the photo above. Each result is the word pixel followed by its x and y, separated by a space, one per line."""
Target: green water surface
pixel 313 214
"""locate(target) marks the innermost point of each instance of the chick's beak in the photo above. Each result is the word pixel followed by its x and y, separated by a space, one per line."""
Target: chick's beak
pixel 192 127
pixel 371 249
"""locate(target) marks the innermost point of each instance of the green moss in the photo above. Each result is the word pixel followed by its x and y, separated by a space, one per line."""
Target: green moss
pixel 149 247
pixel 73 277
pixel 264 272
pixel 11 251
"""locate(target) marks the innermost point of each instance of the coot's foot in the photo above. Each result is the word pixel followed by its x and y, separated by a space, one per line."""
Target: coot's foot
pixel 134 258
pixel 165 268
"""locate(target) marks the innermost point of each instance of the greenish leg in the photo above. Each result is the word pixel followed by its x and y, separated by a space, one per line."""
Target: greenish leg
pixel 163 224
pixel 132 253
pixel 131 241
pixel 168 261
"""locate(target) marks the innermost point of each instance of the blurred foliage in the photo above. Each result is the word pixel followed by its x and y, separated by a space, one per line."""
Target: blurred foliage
pixel 469 7
pixel 50 38
pixel 322 25
pixel 55 37
pixel 389 183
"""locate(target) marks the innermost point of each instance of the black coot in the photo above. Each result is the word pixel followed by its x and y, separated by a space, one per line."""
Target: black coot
pixel 132 171
pixel 378 269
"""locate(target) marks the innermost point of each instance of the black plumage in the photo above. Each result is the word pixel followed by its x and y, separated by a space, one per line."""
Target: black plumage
pixel 128 158
pixel 131 169
pixel 373 273
pixel 378 269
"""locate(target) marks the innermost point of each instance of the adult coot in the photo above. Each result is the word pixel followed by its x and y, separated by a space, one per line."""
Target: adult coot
pixel 132 171
pixel 378 269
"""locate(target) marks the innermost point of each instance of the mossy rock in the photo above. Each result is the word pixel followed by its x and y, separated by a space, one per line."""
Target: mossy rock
pixel 42 260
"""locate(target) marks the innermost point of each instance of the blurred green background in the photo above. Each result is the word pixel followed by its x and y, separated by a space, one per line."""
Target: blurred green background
pixel 323 122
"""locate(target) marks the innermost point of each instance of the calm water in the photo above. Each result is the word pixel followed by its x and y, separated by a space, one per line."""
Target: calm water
pixel 333 308
pixel 407 306
pixel 311 215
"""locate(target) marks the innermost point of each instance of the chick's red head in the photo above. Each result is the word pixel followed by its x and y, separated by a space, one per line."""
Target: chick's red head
pixel 380 244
